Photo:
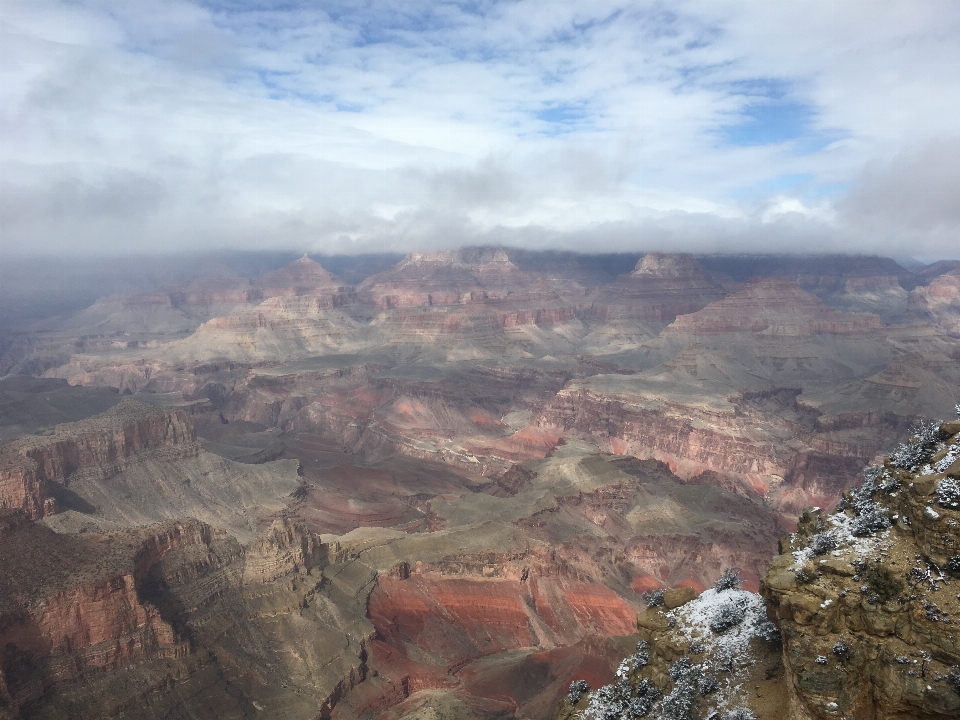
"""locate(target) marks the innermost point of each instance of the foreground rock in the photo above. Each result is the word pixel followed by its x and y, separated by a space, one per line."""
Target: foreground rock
pixel 867 597
pixel 174 621
pixel 863 603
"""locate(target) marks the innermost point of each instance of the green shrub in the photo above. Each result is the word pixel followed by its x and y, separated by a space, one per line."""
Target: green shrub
pixel 883 582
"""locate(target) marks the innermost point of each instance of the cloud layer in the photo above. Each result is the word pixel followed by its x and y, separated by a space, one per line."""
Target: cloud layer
pixel 351 127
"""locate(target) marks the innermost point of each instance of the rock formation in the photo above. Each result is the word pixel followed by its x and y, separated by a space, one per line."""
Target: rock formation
pixel 96 447
pixel 500 459
pixel 865 599
pixel 174 618
pixel 660 288
pixel 772 306
pixel 861 604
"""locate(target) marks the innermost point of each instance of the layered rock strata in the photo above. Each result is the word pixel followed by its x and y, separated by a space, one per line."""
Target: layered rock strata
pixel 177 620
pixel 95 447
pixel 866 597
pixel 659 289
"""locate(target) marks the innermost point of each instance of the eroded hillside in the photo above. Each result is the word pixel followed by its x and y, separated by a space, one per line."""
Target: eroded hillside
pixel 863 606
pixel 474 468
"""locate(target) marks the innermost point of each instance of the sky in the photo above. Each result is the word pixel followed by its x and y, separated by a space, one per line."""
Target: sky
pixel 367 126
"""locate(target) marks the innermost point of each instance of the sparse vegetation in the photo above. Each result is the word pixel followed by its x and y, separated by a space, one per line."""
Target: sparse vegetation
pixel 578 688
pixel 912 454
pixel 728 615
pixel 729 580
pixel 822 543
pixel 653 598
pixel 948 493
pixel 884 584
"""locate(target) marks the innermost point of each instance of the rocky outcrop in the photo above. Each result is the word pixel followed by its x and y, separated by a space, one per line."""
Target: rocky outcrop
pixel 865 597
pixel 772 306
pixel 939 301
pixel 862 606
pixel 444 278
pixel 72 605
pixel 159 620
pixel 96 447
pixel 661 287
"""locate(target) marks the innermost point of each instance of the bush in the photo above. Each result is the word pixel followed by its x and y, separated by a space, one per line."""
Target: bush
pixel 870 522
pixel 729 580
pixel 953 677
pixel 804 575
pixel 766 630
pixel 842 650
pixel 681 702
pixel 709 685
pixel 884 584
pixel 726 616
pixel 948 493
pixel 912 454
pixel 578 688
pixel 822 543
pixel 653 598
pixel 953 565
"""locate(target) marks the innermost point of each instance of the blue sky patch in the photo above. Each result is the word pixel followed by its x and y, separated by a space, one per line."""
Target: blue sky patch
pixel 562 117
pixel 766 123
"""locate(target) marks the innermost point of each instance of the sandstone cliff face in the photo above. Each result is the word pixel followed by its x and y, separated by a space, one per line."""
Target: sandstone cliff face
pixel 869 611
pixel 148 623
pixel 772 306
pixel 940 300
pixel 96 447
pixel 660 288
pixel 72 606
pixel 444 278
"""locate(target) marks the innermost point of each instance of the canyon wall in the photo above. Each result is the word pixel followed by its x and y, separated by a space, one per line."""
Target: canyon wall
pixel 95 447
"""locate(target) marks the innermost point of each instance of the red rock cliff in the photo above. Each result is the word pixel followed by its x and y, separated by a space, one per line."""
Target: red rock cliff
pixel 98 445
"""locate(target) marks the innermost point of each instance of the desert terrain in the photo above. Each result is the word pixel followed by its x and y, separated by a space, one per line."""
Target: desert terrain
pixel 435 488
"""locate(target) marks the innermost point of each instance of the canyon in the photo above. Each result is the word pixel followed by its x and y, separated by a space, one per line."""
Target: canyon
pixel 440 487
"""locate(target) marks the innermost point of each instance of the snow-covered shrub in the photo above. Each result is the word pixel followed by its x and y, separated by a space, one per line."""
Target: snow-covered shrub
pixel 653 598
pixel 728 615
pixel 804 575
pixel 841 649
pixel 820 660
pixel 621 700
pixel 766 630
pixel 681 702
pixel 578 688
pixel 645 694
pixel 912 454
pixel 822 543
pixel 953 677
pixel 947 460
pixel 729 580
pixel 740 713
pixel 869 516
pixel 953 564
pixel 609 702
pixel 870 521
pixel 708 685
pixel 948 493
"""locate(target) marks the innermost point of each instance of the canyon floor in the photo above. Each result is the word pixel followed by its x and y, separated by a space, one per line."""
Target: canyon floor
pixel 435 490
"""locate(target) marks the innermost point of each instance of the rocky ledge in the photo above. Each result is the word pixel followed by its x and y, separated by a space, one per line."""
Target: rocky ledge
pixel 858 617
pixel 99 445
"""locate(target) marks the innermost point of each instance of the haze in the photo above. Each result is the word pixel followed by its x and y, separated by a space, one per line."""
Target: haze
pixel 389 127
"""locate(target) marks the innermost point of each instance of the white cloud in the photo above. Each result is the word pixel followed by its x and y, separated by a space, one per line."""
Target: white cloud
pixel 165 125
